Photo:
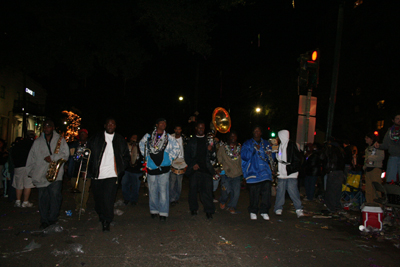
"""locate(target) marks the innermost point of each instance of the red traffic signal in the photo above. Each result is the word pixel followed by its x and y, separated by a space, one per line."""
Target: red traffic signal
pixel 376 133
pixel 314 55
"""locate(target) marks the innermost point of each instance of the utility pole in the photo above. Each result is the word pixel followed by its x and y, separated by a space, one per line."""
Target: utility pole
pixel 24 109
pixel 335 72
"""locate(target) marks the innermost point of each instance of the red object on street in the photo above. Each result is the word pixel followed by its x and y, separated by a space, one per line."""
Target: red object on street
pixel 372 216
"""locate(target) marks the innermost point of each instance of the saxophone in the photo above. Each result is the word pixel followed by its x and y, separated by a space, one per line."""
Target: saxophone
pixel 54 166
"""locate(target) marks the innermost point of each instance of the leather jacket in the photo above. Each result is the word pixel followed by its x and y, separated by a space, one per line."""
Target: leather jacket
pixel 97 145
pixel 190 157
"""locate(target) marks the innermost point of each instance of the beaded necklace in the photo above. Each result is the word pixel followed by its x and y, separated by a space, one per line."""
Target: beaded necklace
pixel 233 152
pixel 394 133
pixel 157 143
pixel 262 148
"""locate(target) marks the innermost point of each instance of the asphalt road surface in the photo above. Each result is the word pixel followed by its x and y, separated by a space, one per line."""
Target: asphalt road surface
pixel 136 239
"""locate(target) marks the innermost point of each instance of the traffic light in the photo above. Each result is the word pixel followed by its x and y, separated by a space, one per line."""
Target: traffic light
pixel 273 134
pixel 309 69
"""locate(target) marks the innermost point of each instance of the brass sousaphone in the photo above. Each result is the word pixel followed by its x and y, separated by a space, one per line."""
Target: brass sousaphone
pixel 221 120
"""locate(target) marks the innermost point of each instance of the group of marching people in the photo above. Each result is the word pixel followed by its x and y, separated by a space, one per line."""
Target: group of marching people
pixel 166 158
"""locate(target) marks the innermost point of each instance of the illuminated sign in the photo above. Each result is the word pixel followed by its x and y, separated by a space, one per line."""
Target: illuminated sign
pixel 29 91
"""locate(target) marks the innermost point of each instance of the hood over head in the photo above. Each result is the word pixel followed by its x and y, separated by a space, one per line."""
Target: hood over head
pixel 283 136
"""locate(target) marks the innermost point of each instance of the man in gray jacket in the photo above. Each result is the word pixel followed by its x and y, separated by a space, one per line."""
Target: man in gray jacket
pixel 50 146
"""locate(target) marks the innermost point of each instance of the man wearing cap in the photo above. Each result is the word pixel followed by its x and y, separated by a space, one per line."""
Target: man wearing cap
pixel 76 149
pixel 50 146
pixel 159 149
pixel 108 160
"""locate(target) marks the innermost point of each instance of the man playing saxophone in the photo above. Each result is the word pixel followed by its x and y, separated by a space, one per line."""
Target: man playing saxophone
pixel 49 147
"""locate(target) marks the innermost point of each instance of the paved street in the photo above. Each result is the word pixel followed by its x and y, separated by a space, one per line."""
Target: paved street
pixel 184 240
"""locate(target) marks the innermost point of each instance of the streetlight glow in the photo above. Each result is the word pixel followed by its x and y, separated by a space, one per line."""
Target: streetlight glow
pixel 258 110
pixel 181 98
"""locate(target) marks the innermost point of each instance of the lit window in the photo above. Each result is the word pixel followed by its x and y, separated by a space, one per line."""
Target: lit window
pixel 380 104
pixel 379 124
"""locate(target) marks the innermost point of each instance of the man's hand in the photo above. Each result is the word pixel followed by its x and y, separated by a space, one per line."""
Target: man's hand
pixel 196 167
pixel 48 159
pixel 376 145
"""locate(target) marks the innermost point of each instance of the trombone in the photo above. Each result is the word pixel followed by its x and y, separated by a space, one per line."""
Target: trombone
pixel 82 155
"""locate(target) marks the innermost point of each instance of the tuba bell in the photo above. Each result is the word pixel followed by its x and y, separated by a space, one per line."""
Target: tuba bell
pixel 221 120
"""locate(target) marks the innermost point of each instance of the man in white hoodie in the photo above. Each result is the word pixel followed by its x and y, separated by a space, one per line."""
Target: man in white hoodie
pixel 289 163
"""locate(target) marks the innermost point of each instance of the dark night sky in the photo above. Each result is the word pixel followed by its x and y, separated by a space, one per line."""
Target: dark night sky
pixel 237 74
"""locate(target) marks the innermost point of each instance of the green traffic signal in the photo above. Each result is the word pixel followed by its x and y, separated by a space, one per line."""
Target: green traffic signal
pixel 272 134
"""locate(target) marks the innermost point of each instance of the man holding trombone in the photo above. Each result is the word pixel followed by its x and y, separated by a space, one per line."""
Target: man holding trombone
pixel 77 168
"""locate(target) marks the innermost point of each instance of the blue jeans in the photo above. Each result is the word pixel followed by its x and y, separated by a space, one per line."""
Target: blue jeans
pixel 130 186
pixel 393 168
pixel 159 193
pixel 230 187
pixel 215 184
pixel 175 186
pixel 289 185
pixel 309 185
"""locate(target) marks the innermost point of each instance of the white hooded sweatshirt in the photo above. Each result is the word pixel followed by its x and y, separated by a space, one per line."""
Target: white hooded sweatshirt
pixel 282 156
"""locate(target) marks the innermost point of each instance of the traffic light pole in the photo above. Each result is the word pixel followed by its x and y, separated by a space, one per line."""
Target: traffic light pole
pixel 335 72
pixel 308 107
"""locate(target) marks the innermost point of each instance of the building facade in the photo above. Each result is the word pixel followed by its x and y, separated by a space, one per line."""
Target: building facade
pixel 20 94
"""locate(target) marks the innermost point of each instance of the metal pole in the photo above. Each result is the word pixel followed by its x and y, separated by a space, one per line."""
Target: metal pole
pixel 24 109
pixel 308 107
pixel 335 72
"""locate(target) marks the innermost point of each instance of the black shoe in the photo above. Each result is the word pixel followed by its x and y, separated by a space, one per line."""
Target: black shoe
pixel 173 203
pixel 106 226
pixel 126 202
pixel 133 203
pixel 209 216
pixel 154 216
pixel 193 212
pixel 43 226
pixel 163 219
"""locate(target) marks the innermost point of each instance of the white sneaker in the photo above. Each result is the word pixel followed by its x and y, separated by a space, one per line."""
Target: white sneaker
pixel 253 216
pixel 27 204
pixel 278 212
pixel 299 213
pixel 17 204
pixel 265 216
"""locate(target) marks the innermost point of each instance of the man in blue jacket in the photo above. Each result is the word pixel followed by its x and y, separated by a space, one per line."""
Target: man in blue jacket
pixel 256 156
pixel 159 149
